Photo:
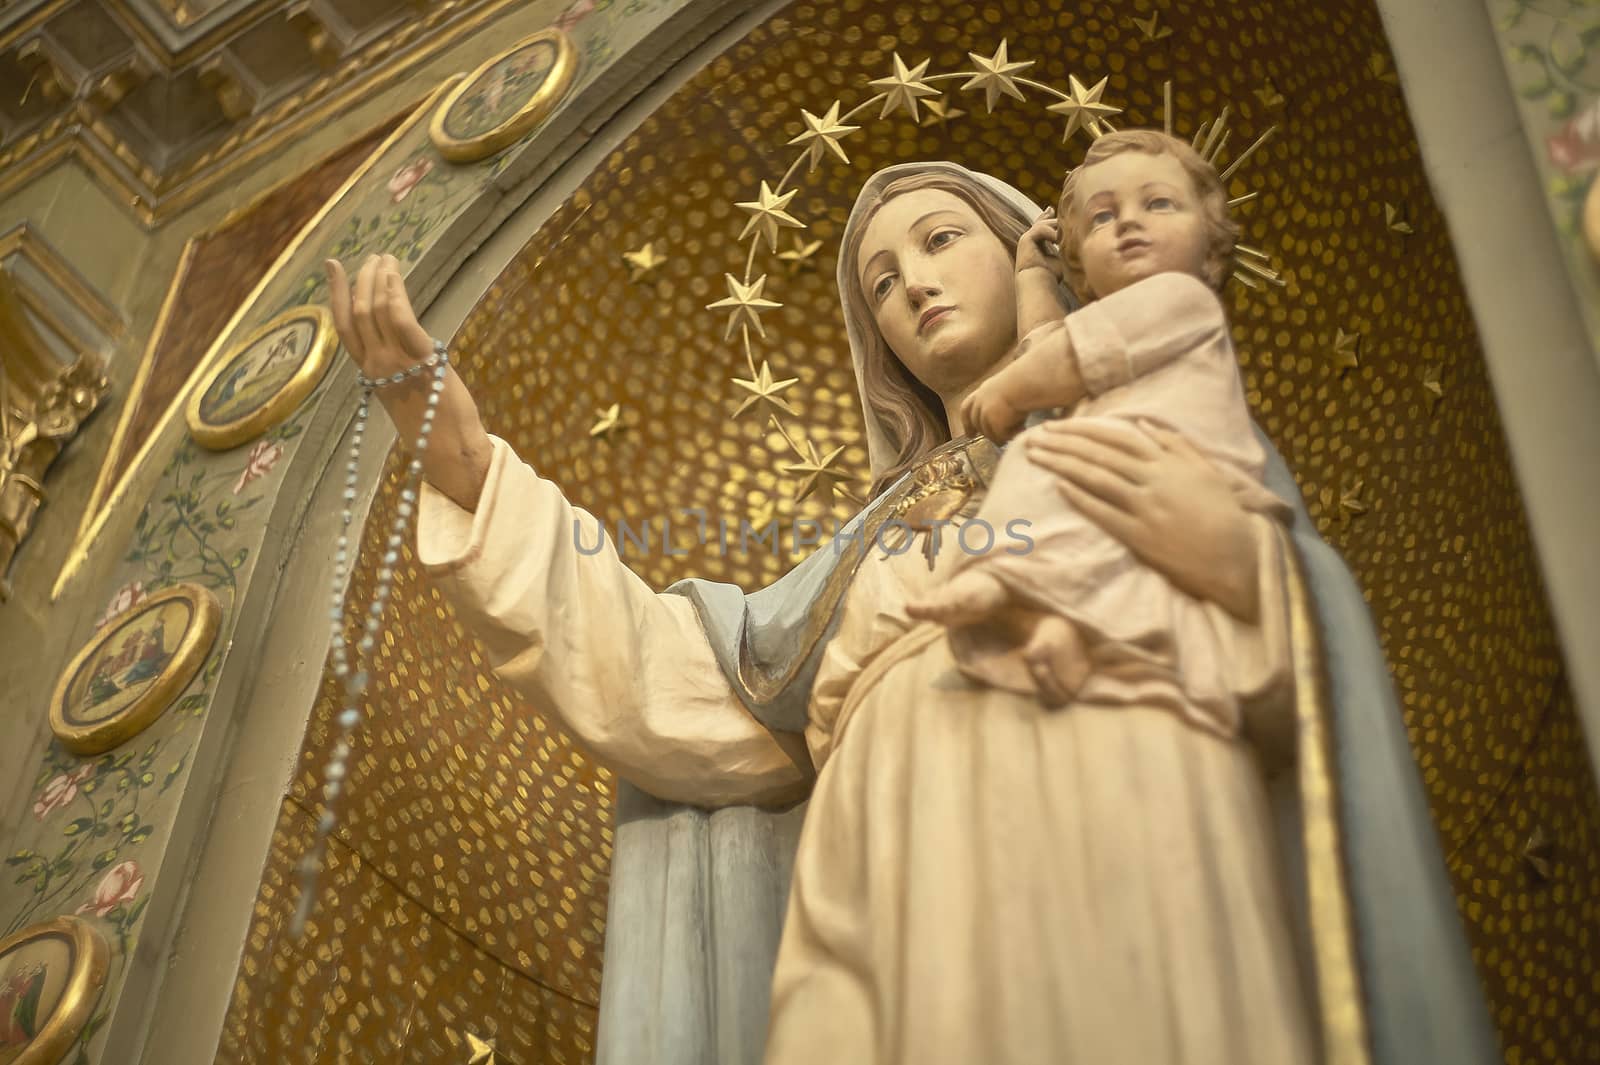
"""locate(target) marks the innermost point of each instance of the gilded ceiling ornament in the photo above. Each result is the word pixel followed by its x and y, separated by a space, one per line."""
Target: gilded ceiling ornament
pixel 802 254
pixel 822 135
pixel 745 304
pixel 482 1052
pixel 1150 29
pixel 1269 95
pixel 764 389
pixel 610 419
pixel 1346 350
pixel 643 261
pixel 767 215
pixel 1083 108
pixel 1394 217
pixel 996 74
pixel 941 112
pixel 904 87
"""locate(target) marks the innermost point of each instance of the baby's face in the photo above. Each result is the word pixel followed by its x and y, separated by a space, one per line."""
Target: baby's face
pixel 1139 215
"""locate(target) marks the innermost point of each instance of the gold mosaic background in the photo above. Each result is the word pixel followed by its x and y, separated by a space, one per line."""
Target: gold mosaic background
pixel 470 871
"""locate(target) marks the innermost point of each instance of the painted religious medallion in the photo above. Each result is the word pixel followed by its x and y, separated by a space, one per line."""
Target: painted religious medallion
pixel 263 379
pixel 504 99
pixel 133 668
pixel 50 976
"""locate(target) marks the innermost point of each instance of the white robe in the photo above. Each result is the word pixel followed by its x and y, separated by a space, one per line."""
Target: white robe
pixel 978 879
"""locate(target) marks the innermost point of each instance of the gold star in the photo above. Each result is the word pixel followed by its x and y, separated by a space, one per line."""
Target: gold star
pixel 903 87
pixel 745 303
pixel 610 418
pixel 1378 67
pixel 1395 219
pixel 1433 386
pixel 1269 95
pixel 644 260
pixel 1345 502
pixel 996 75
pixel 941 113
pixel 1148 26
pixel 1346 350
pixel 817 473
pixel 823 134
pixel 764 390
pixel 1350 501
pixel 767 214
pixel 482 1053
pixel 1083 107
pixel 801 254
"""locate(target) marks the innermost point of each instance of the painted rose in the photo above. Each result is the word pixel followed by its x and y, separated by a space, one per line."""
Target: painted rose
pixel 407 178
pixel 126 598
pixel 122 883
pixel 575 13
pixel 258 463
pixel 61 790
pixel 1577 147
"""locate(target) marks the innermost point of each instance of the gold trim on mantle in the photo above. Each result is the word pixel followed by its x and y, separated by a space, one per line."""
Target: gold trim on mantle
pixel 80 550
pixel 1342 1007
pixel 258 418
pixel 551 91
pixel 90 962
pixel 199 633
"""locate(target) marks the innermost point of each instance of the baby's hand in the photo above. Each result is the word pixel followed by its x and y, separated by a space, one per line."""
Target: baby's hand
pixel 1042 375
pixel 1040 248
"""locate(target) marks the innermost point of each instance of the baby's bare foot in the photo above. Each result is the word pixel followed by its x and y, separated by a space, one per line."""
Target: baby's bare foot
pixel 1057 659
pixel 968 597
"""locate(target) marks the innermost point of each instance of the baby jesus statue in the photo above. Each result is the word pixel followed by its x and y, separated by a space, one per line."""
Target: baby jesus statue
pixel 1145 241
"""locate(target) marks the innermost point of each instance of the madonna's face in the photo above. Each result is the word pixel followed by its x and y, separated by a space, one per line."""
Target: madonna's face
pixel 941 287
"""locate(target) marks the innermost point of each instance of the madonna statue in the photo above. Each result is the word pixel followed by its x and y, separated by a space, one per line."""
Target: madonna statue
pixel 832 846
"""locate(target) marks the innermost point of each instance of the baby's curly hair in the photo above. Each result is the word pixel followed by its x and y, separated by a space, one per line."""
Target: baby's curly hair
pixel 1224 230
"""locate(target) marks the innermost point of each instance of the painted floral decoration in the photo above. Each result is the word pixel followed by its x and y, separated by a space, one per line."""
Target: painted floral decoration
pixel 125 599
pixel 61 790
pixel 575 13
pixel 1577 147
pixel 122 883
pixel 408 177
pixel 258 463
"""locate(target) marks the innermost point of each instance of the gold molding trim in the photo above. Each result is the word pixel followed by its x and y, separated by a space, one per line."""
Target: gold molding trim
pixel 87 738
pixel 551 91
pixel 102 484
pixel 90 963
pixel 22 240
pixel 155 198
pixel 79 552
pixel 31 21
pixel 220 436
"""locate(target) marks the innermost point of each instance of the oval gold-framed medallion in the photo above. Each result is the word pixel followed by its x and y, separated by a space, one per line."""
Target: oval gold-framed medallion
pixel 132 669
pixel 505 98
pixel 50 977
pixel 263 378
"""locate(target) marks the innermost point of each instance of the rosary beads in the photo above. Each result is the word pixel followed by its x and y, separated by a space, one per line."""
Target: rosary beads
pixel 353 682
